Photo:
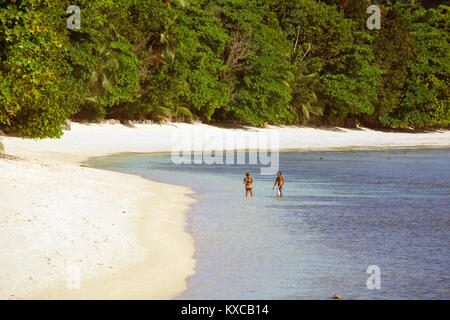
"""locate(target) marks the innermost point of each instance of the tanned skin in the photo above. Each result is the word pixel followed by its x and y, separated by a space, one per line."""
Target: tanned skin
pixel 248 181
pixel 280 182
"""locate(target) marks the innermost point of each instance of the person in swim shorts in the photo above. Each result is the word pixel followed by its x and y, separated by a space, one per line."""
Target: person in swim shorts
pixel 280 181
pixel 248 181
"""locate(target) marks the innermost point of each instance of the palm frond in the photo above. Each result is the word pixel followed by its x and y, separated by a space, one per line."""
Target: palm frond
pixel 113 64
pixel 312 75
pixel 93 77
pixel 290 75
pixel 163 111
pixel 305 112
pixel 106 83
pixel 184 112
pixel 182 3
pixel 101 48
pixel 91 99
pixel 163 38
pixel 286 83
pixel 316 110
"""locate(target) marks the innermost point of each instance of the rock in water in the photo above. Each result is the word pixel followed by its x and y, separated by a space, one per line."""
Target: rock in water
pixel 336 297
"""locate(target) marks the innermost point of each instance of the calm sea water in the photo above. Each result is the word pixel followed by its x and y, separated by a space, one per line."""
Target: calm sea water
pixel 340 214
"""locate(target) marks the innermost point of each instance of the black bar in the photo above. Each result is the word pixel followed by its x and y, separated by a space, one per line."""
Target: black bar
pixel 218 309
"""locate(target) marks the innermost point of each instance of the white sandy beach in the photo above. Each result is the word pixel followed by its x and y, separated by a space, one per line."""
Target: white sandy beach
pixel 125 234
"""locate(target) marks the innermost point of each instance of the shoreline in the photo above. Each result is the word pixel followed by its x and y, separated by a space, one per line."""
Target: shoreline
pixel 350 148
pixel 75 146
pixel 133 264
pixel 123 249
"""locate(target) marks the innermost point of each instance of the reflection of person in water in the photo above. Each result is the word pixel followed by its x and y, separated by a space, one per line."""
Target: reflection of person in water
pixel 280 182
pixel 248 184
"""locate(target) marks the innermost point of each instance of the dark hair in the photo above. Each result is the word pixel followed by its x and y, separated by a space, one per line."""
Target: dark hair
pixel 279 172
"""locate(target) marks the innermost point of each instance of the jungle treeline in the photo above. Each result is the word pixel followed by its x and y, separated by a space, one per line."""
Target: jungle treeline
pixel 252 62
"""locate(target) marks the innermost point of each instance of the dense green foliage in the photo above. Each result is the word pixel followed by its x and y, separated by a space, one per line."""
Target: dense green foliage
pixel 246 61
pixel 426 91
pixel 34 70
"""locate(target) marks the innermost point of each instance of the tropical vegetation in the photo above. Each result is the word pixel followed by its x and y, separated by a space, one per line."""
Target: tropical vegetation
pixel 242 61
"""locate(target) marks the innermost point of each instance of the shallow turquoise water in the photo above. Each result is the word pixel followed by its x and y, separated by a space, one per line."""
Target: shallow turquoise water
pixel 351 209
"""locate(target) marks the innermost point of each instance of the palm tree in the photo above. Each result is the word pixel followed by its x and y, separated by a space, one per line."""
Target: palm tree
pixel 164 46
pixel 304 101
pixel 102 77
pixel 181 113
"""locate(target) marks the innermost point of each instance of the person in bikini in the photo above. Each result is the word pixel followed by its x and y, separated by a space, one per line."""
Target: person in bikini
pixel 280 182
pixel 248 184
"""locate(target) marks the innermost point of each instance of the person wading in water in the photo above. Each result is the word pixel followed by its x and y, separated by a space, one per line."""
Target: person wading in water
pixel 248 184
pixel 280 182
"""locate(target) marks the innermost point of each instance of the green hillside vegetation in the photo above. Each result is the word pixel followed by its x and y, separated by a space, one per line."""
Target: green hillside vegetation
pixel 241 61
